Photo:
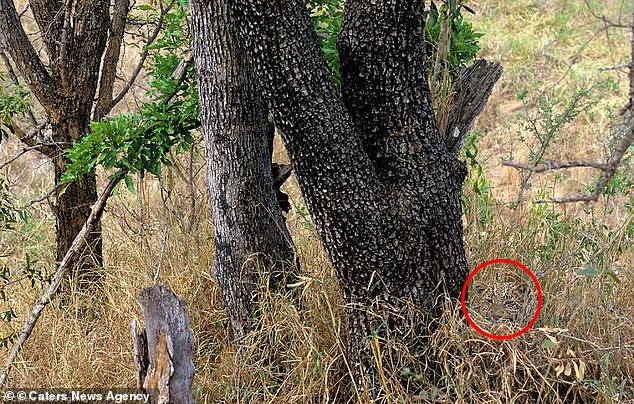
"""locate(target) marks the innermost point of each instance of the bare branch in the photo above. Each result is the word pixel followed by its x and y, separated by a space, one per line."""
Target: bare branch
pixel 626 133
pixel 554 165
pixel 20 154
pixel 592 197
pixel 60 274
pixel 144 55
pixel 111 59
pixel 617 67
pixel 608 23
pixel 46 196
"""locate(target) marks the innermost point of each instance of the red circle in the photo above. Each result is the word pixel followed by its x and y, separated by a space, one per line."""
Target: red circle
pixel 480 330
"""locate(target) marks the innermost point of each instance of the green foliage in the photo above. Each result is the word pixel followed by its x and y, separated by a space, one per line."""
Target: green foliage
pixel 141 142
pixel 136 142
pixel 14 100
pixel 463 39
pixel 327 17
pixel 545 123
pixel 477 182
pixel 9 213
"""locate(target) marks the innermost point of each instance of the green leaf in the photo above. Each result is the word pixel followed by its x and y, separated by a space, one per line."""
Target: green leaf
pixel 129 184
pixel 589 271
pixel 549 342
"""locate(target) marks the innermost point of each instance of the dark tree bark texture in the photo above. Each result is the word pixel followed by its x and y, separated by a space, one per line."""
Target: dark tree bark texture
pixel 250 234
pixel 75 36
pixel 382 186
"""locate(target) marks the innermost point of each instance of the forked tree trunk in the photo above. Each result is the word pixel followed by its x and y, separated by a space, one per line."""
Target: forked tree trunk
pixel 382 187
pixel 76 36
pixel 250 237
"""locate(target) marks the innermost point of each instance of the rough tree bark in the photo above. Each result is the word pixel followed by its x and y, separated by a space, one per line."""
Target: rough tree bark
pixel 382 187
pixel 249 231
pixel 381 184
pixel 76 35
pixel 164 348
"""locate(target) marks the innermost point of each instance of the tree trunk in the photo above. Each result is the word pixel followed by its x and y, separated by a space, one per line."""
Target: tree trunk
pixel 249 231
pixel 74 36
pixel 72 208
pixel 383 189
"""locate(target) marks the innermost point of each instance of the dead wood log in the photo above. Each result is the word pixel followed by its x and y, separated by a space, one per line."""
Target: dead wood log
pixel 163 350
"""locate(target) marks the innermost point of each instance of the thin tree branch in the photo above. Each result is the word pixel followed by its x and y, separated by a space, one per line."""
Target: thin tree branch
pixel 60 274
pixel 606 21
pixel 20 154
pixel 617 67
pixel 111 59
pixel 554 165
pixel 144 55
pixel 625 133
pixel 45 197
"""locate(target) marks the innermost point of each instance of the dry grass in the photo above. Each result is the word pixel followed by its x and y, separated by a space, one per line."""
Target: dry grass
pixel 580 350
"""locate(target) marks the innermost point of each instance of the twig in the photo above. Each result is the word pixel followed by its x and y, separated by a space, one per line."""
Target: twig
pixel 46 196
pixel 606 21
pixel 617 67
pixel 144 56
pixel 17 156
pixel 60 274
pixel 608 168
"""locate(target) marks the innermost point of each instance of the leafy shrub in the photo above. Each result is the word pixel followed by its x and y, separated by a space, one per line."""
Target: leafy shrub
pixel 462 39
pixel 140 142
pixel 13 102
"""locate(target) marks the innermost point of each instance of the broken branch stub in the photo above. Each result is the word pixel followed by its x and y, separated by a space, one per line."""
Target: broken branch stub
pixel 471 94
pixel 163 350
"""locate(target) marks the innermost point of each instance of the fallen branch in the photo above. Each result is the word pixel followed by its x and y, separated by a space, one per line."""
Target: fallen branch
pixel 60 274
